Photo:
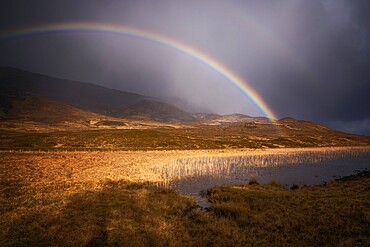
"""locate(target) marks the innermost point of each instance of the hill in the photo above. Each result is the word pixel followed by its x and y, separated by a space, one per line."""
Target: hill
pixel 158 111
pixel 34 113
pixel 87 96
pixel 55 112
pixel 37 114
pixel 37 109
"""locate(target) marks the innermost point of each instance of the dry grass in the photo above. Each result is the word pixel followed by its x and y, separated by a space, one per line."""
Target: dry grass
pixel 78 214
pixel 156 136
pixel 111 198
pixel 136 166
pixel 132 214
pixel 333 215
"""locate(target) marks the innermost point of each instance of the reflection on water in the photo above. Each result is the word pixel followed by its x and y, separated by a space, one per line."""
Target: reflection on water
pixel 191 176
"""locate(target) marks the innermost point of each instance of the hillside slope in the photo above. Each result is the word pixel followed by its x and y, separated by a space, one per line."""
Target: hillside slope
pixel 37 109
pixel 158 111
pixel 34 113
pixel 87 96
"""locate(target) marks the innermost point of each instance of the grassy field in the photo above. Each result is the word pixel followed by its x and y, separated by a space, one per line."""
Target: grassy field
pixel 269 215
pixel 184 138
pixel 92 199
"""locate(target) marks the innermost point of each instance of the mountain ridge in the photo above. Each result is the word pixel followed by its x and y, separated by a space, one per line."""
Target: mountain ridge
pixel 84 95
pixel 87 99
pixel 32 117
pixel 98 99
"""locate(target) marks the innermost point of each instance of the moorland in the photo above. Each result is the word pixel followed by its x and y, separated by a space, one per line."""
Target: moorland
pixel 77 171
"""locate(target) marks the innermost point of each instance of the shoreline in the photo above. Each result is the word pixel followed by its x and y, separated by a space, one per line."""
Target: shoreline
pixel 136 166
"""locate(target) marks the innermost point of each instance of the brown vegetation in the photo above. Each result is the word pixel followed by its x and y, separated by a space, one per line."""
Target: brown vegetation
pixel 96 198
pixel 148 136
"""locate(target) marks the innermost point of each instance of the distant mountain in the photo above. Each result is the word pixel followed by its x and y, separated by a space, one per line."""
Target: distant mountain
pixel 30 97
pixel 87 96
pixel 231 119
pixel 32 104
pixel 37 109
pixel 157 111
pixel 301 125
pixel 34 113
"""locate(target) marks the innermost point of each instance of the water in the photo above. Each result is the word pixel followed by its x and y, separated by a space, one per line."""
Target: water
pixel 196 175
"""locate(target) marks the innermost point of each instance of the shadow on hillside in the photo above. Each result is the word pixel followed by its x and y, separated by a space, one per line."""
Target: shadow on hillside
pixel 120 214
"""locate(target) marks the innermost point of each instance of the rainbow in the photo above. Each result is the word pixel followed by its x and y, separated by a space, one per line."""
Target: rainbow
pixel 154 37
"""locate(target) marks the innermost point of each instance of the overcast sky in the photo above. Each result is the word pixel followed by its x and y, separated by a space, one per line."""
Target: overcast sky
pixel 306 59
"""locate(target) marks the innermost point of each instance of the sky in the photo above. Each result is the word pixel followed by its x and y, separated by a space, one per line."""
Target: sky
pixel 306 59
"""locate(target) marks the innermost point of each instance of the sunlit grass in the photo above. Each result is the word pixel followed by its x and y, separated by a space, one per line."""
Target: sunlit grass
pixel 96 198
pixel 138 214
pixel 333 215
pixel 169 137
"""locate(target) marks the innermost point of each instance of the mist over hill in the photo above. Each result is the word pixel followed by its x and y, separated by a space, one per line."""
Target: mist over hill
pixel 94 98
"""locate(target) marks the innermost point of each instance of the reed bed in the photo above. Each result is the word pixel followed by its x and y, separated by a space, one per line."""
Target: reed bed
pixel 244 167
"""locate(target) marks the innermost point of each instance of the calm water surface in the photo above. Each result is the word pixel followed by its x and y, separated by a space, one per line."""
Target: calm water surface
pixel 192 176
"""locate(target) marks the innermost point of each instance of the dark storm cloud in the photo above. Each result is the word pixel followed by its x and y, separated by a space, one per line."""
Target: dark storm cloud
pixel 332 38
pixel 307 59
